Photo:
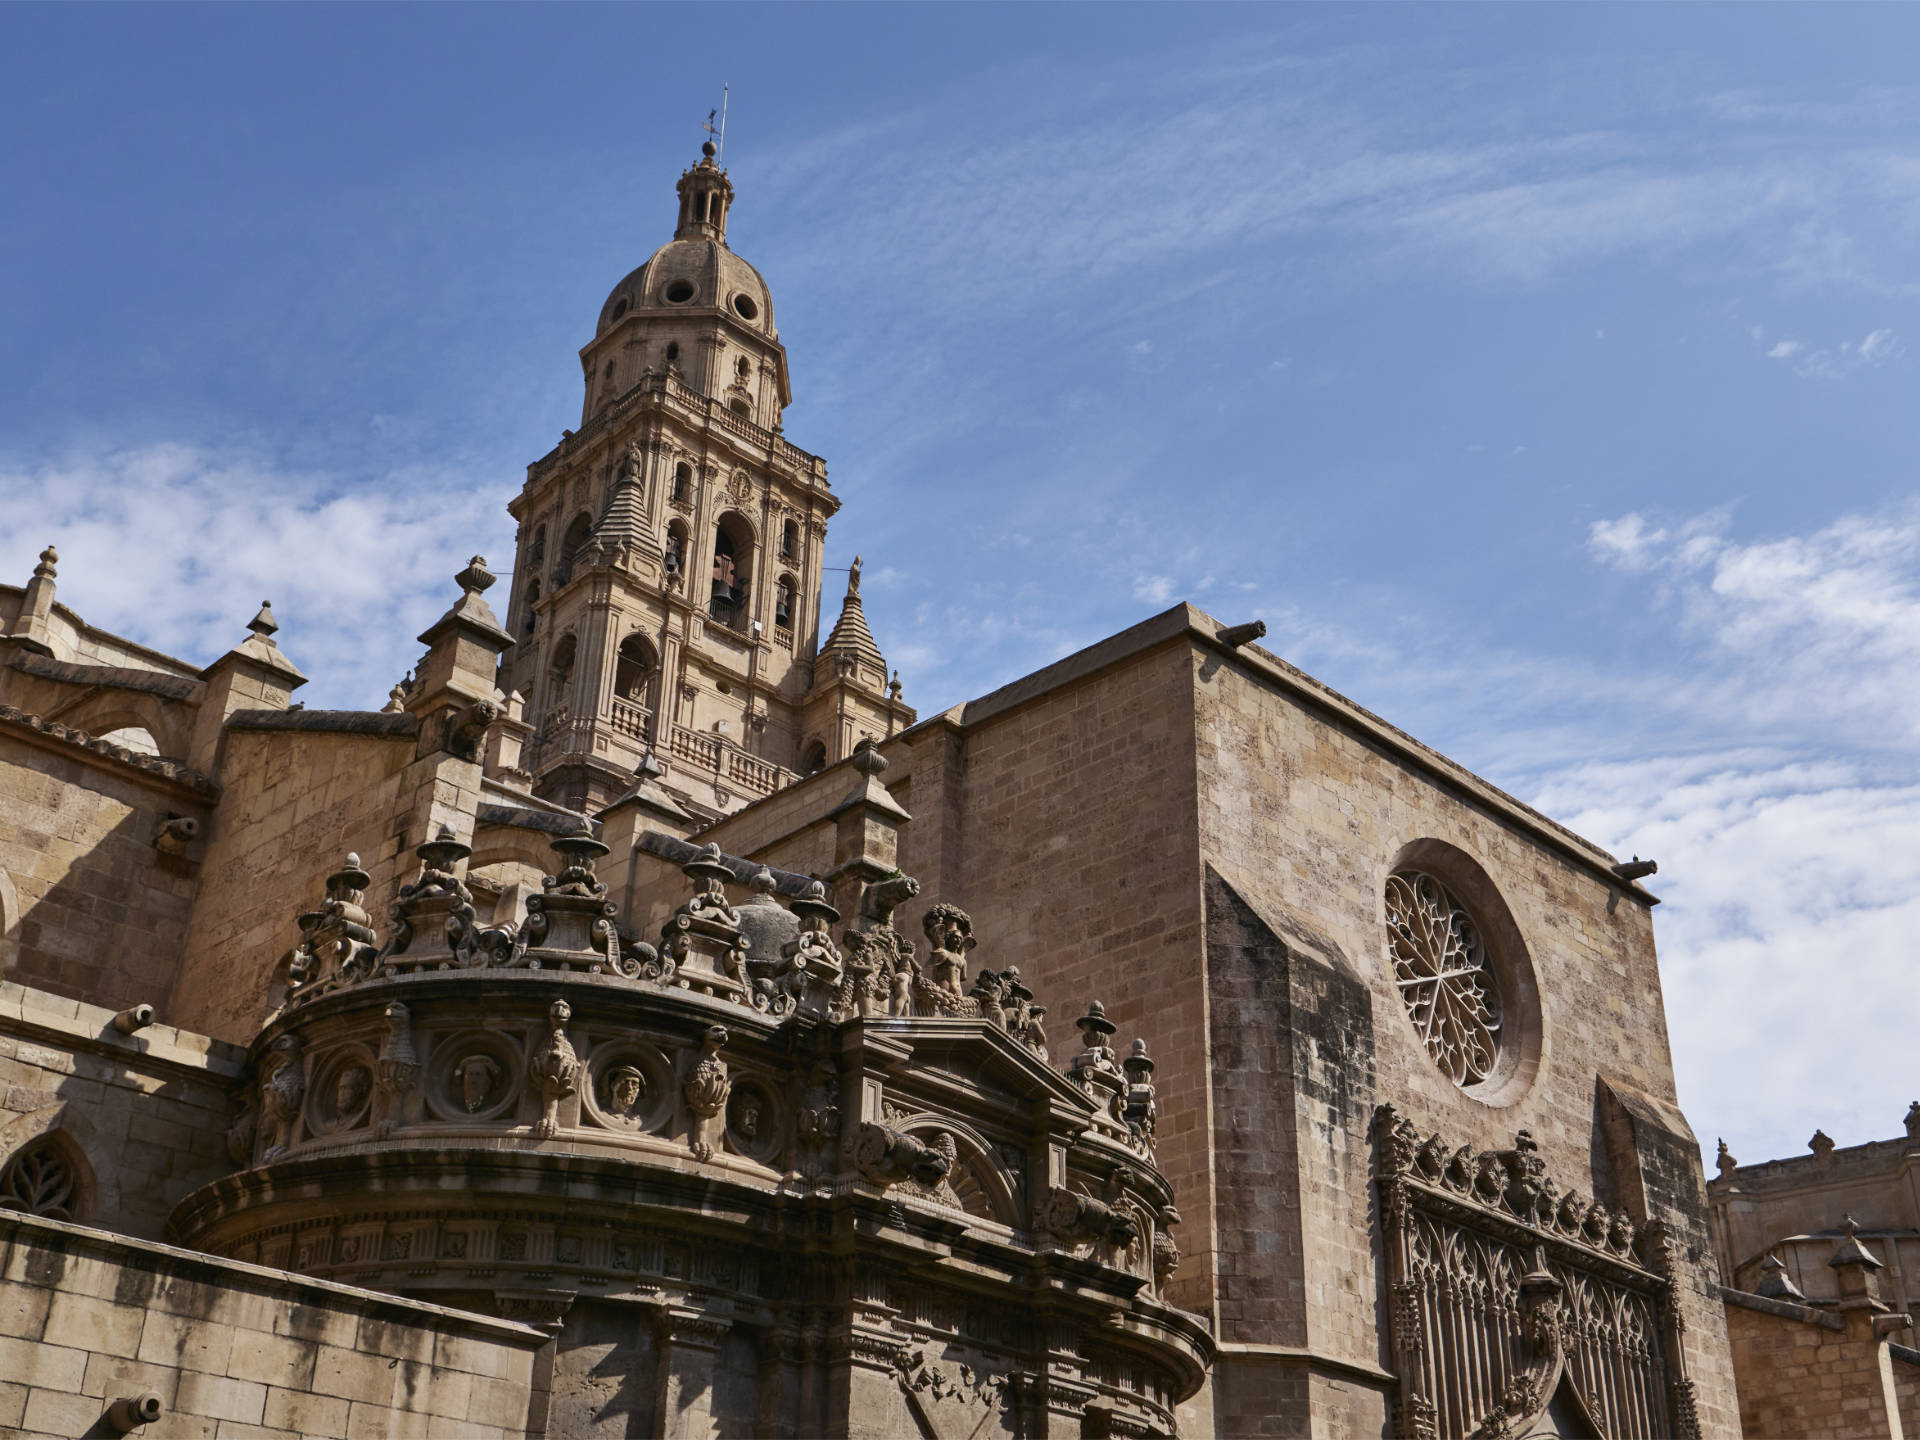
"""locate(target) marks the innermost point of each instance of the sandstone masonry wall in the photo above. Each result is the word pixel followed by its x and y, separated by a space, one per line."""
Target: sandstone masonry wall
pixel 295 803
pixel 1811 1374
pixel 87 1318
pixel 88 906
pixel 147 1112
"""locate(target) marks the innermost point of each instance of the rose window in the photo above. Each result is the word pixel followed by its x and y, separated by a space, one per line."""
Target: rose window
pixel 1445 978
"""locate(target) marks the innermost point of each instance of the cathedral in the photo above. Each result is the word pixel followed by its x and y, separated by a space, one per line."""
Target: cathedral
pixel 648 1025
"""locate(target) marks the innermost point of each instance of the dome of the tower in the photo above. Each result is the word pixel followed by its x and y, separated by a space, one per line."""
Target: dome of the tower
pixel 692 274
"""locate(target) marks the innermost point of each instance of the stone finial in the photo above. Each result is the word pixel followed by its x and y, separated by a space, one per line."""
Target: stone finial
pixel 476 577
pixel 893 688
pixel 1724 1161
pixel 1095 1065
pixel 1138 1066
pixel 263 624
pixel 32 625
pixel 396 700
pixel 1821 1144
pixel 1776 1283
pixel 1095 1027
pixel 868 760
pixel 1140 1111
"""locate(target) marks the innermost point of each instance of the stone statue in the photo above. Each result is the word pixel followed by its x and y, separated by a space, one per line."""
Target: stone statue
pixel 950 933
pixel 705 1089
pixel 556 1070
pixel 282 1087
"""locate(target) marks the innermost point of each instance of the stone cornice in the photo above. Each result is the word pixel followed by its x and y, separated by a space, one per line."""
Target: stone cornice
pixel 112 677
pixel 1782 1309
pixel 1195 626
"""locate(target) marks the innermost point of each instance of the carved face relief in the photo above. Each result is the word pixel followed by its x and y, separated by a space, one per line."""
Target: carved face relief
pixel 624 1088
pixel 350 1090
pixel 475 1076
pixel 746 1115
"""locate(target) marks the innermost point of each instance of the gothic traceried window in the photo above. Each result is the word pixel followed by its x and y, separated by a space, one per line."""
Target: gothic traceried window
pixel 40 1181
pixel 1446 981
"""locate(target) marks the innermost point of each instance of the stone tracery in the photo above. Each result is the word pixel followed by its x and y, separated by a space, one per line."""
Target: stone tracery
pixel 1509 1295
pixel 1446 983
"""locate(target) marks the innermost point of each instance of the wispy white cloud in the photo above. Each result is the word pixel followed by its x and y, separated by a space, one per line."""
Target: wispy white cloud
pixel 176 546
pixel 1153 589
pixel 1837 362
pixel 1790 860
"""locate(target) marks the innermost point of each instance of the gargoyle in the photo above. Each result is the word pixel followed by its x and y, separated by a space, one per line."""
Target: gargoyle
pixel 467 729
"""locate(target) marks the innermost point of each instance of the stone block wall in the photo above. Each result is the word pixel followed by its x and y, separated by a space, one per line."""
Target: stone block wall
pixel 87 1318
pixel 295 803
pixel 88 906
pixel 1808 1374
pixel 145 1114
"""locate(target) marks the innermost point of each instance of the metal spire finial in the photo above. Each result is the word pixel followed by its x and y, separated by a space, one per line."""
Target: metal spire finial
pixel 712 148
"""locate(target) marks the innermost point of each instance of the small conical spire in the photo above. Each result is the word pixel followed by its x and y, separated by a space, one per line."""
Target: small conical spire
pixel 1850 1251
pixel 263 624
pixel 1775 1282
pixel 850 637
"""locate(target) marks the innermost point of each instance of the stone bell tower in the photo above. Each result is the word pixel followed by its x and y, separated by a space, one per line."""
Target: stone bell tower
pixel 667 585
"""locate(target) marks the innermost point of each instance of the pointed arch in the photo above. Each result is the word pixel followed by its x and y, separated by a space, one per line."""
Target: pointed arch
pixel 49 1175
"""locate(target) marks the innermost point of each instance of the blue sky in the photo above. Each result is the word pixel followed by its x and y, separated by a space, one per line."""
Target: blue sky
pixel 1543 376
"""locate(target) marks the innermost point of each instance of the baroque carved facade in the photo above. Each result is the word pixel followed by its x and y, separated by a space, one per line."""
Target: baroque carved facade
pixel 644 1025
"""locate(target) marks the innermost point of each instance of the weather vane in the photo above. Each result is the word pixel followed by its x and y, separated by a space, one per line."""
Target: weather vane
pixel 718 131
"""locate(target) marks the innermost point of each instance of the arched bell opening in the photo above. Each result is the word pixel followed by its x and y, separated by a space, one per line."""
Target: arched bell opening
pixel 732 570
pixel 560 680
pixel 575 540
pixel 633 670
